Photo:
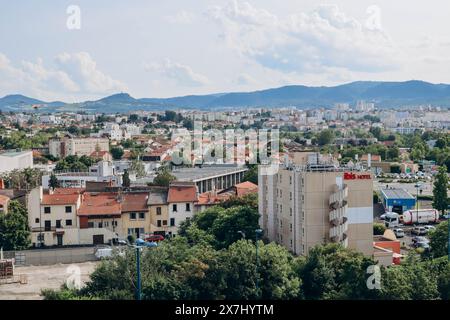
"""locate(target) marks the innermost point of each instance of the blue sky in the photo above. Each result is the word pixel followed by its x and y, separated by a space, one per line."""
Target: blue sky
pixel 179 47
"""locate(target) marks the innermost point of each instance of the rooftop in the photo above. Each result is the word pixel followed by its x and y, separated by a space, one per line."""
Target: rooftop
pixel 205 172
pixel 396 194
pixel 99 204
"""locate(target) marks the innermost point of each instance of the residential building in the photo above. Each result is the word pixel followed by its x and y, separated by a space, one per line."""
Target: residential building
pixel 12 159
pixel 100 213
pixel 68 146
pixel 311 200
pixel 135 214
pixel 52 218
pixel 158 208
pixel 181 198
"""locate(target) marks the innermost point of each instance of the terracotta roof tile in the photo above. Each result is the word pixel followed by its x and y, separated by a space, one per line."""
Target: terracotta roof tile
pixel 134 202
pixel 99 204
pixel 182 194
pixel 59 199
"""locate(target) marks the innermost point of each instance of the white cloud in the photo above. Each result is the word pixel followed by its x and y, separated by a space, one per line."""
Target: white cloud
pixel 305 42
pixel 245 79
pixel 181 17
pixel 73 75
pixel 182 74
pixel 83 70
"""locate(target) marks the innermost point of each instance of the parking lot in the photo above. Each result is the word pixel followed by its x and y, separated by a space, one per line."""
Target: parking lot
pixel 44 277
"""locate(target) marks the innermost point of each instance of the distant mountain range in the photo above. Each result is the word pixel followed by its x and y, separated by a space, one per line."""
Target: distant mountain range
pixel 383 94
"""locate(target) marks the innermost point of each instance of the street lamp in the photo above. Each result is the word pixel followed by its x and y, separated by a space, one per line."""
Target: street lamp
pixel 139 245
pixel 258 232
pixel 417 199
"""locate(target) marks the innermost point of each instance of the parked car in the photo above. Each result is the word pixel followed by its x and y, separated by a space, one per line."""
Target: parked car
pixel 399 233
pixel 424 245
pixel 420 231
pixel 429 228
pixel 154 238
pixel 419 239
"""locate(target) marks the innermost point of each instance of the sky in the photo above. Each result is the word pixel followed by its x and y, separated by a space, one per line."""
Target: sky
pixel 79 50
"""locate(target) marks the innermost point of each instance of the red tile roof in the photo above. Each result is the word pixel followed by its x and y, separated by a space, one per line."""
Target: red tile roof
pixel 134 202
pixel 68 190
pixel 59 199
pixel 180 193
pixel 207 198
pixel 246 187
pixel 99 204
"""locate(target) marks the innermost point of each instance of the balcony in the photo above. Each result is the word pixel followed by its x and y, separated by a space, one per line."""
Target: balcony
pixel 337 217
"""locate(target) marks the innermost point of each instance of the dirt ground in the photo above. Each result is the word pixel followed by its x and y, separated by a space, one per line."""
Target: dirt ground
pixel 44 277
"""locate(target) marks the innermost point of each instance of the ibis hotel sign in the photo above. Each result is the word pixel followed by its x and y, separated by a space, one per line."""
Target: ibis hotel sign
pixel 357 176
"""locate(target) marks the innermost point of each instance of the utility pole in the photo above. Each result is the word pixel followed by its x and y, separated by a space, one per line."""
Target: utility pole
pixel 257 233
pixel 138 273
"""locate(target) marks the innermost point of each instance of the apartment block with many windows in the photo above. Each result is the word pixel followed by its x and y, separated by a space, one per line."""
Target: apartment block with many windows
pixel 311 200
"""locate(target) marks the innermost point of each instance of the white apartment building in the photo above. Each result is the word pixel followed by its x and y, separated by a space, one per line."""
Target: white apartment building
pixel 77 146
pixel 12 160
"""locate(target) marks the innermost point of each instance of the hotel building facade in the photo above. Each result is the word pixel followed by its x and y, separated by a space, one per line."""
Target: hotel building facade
pixel 311 200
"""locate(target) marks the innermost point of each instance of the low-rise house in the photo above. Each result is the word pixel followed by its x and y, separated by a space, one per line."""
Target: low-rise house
pixel 100 216
pixel 182 198
pixel 52 218
pixel 159 211
pixel 135 215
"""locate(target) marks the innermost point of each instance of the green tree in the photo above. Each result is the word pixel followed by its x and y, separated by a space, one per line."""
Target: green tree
pixel 332 272
pixel 163 178
pixel 325 137
pixel 251 174
pixel 440 198
pixel 378 228
pixel 126 179
pixel 117 153
pixel 53 181
pixel 14 231
pixel 439 240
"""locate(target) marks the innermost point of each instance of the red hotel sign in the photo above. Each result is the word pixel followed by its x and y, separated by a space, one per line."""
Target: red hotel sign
pixel 354 176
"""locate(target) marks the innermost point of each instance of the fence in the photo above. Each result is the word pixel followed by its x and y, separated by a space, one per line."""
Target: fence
pixel 42 257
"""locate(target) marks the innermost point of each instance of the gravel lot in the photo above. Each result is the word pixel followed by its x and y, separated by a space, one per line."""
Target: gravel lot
pixel 43 277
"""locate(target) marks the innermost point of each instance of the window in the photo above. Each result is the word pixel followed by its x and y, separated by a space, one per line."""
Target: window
pixel 58 223
pixel 114 223
pixel 188 207
pixel 174 208
pixel 90 224
pixel 133 216
pixel 142 215
pixel 100 224
pixel 172 222
pixel 68 222
pixel 158 211
pixel 68 209
pixel 47 210
pixel 36 220
pixel 48 225
pixel 164 222
pixel 158 223
pixel 130 231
